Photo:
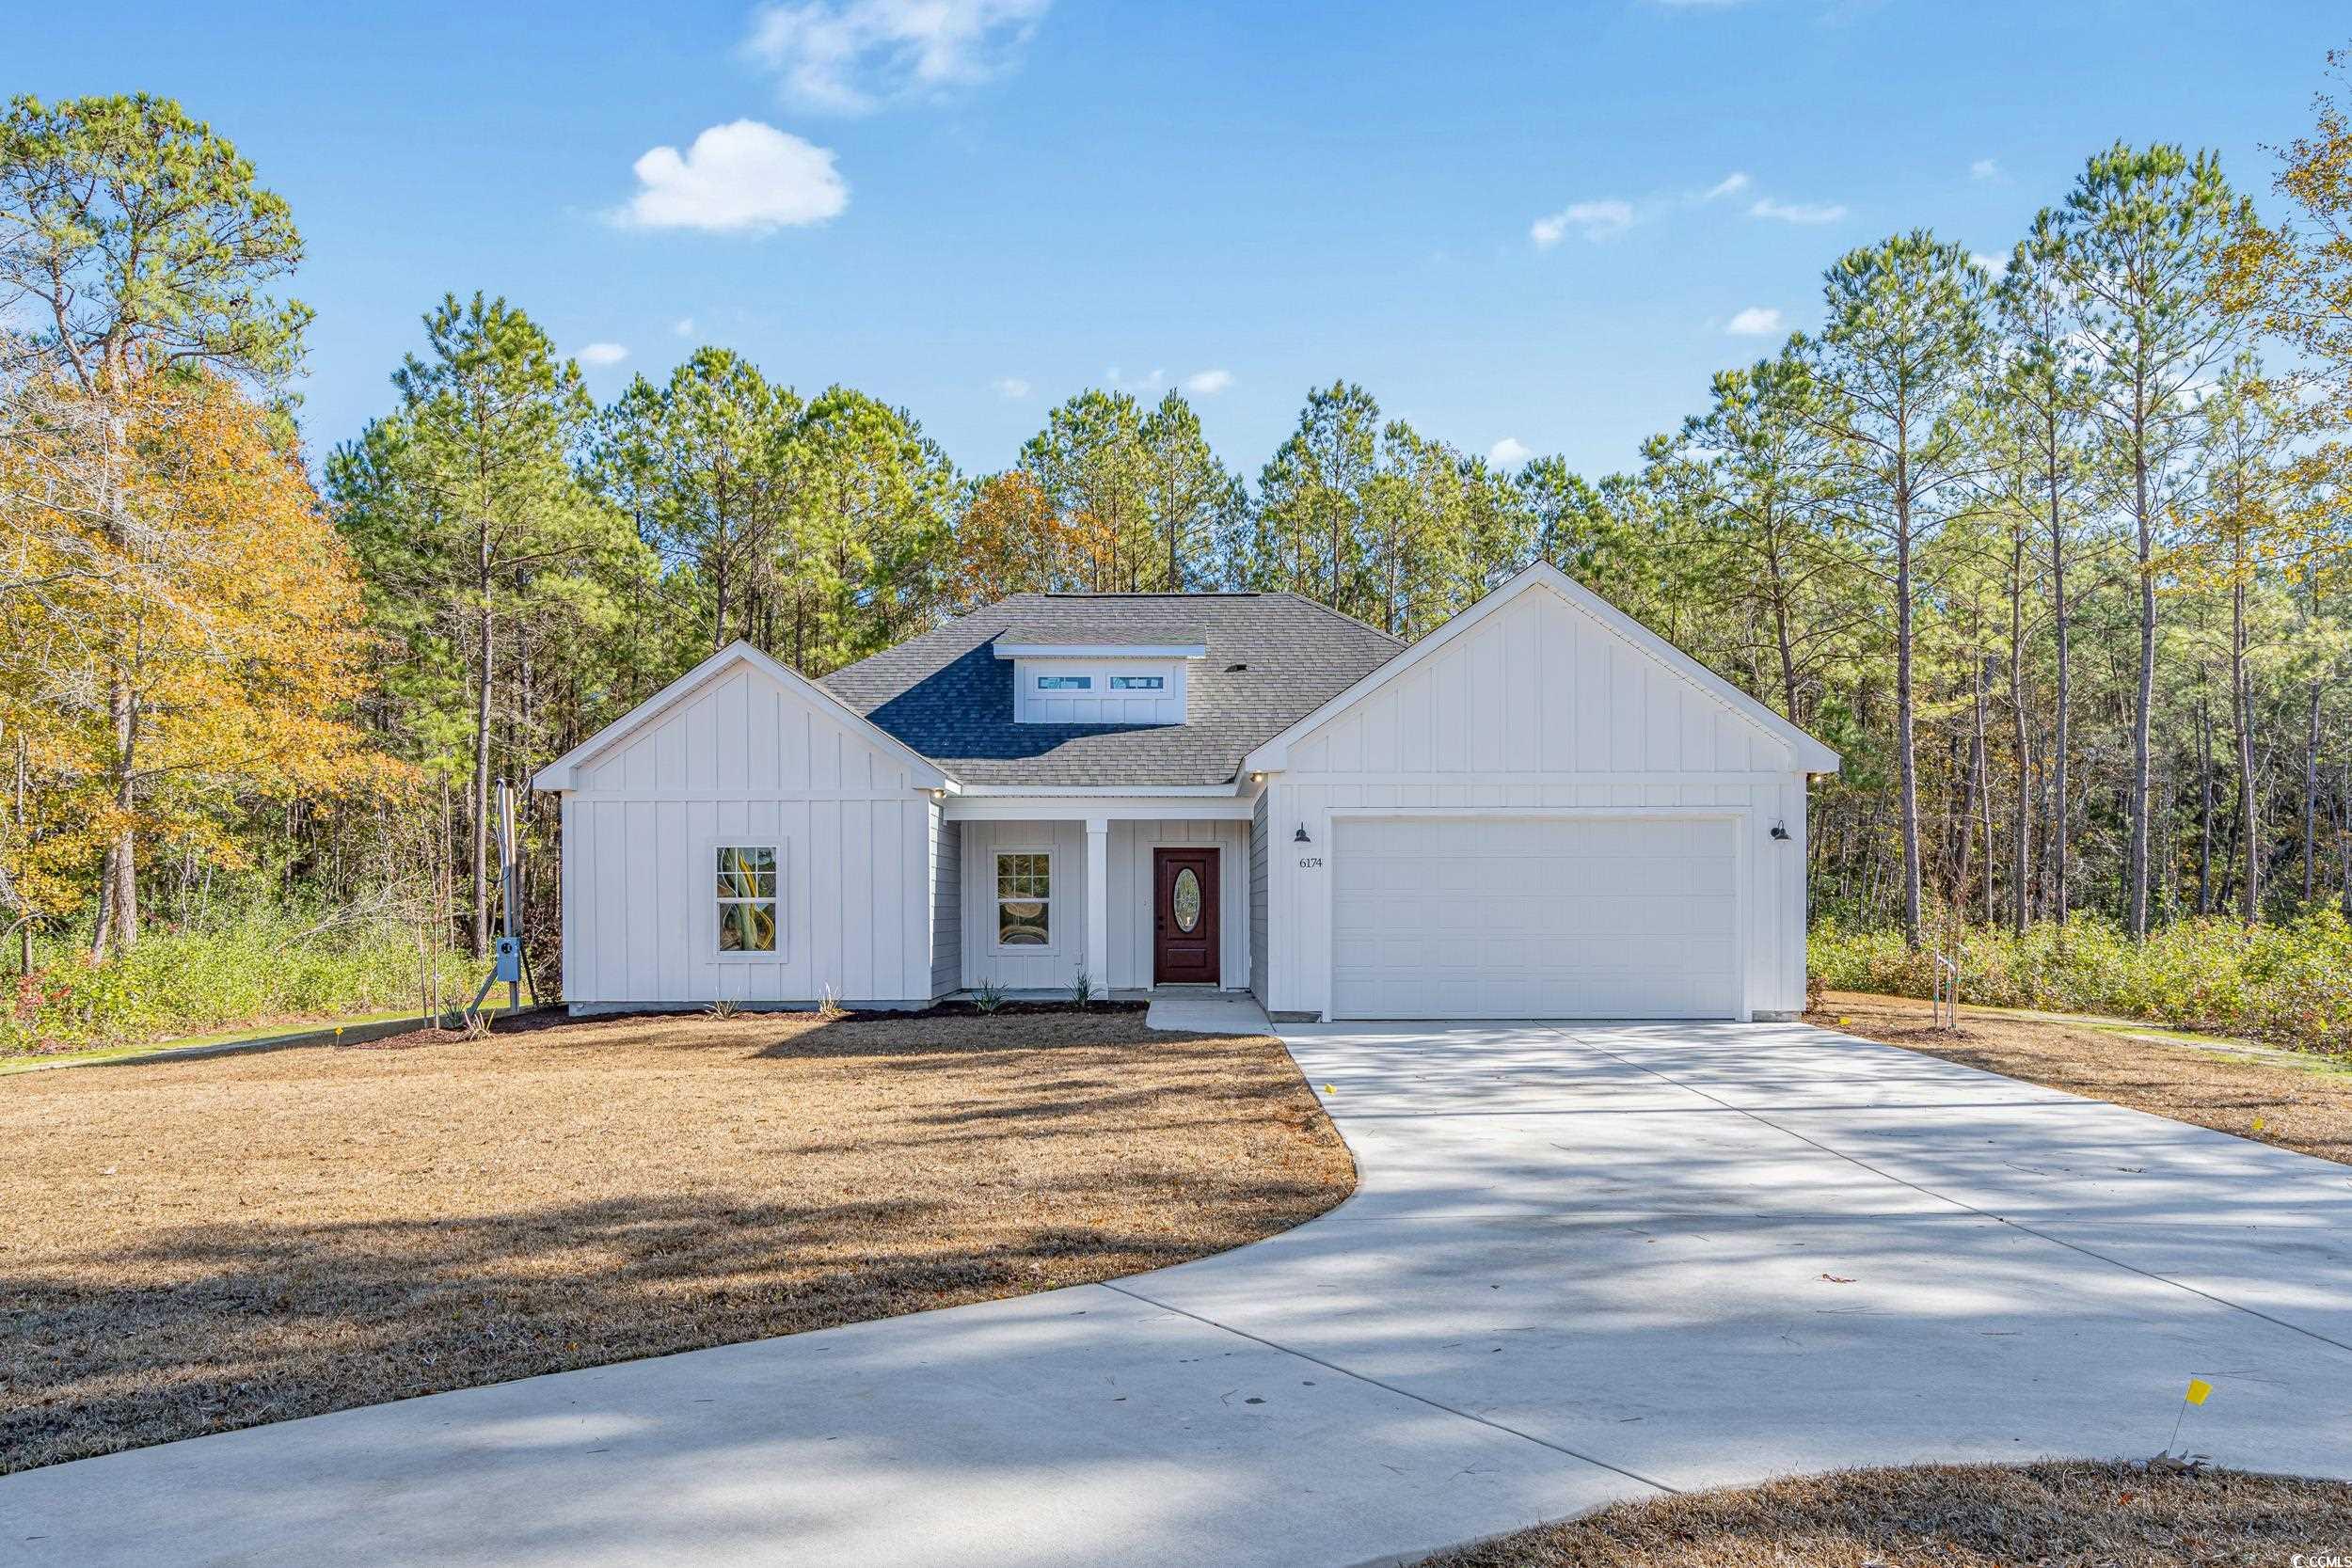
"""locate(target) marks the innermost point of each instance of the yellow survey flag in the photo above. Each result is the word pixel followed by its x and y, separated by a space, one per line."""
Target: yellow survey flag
pixel 2198 1389
pixel 1328 1090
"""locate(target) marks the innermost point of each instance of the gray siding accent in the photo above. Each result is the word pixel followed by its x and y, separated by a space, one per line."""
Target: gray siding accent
pixel 1260 849
pixel 946 904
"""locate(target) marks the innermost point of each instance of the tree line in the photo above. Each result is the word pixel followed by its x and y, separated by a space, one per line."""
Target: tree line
pixel 2050 544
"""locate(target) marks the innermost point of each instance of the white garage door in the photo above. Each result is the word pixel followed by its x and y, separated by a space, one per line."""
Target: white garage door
pixel 1519 917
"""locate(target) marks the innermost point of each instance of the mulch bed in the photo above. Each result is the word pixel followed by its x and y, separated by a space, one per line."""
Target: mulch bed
pixel 2052 1515
pixel 202 1245
pixel 2297 1104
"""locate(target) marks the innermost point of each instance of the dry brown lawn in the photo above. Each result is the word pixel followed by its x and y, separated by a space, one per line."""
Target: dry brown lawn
pixel 2053 1515
pixel 2303 1104
pixel 196 1245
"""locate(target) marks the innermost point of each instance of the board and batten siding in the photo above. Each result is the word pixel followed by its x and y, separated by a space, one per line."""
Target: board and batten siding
pixel 1260 872
pixel 1132 893
pixel 1129 893
pixel 745 761
pixel 1053 965
pixel 1538 707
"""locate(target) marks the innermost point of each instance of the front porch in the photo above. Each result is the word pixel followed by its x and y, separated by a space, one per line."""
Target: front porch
pixel 1137 896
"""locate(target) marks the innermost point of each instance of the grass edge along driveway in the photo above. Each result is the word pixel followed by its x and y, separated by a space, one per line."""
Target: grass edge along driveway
pixel 218 1243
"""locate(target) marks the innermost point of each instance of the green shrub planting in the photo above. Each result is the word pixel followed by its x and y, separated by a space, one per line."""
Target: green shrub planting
pixel 2288 982
pixel 251 969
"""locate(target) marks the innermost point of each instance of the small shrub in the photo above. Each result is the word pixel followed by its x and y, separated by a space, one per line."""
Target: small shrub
pixel 829 1003
pixel 723 1010
pixel 989 996
pixel 1082 986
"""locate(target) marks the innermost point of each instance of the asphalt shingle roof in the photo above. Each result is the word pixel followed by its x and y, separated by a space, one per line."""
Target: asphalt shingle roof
pixel 1063 632
pixel 1273 659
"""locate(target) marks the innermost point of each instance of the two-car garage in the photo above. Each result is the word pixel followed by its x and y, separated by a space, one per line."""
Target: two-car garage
pixel 1516 915
pixel 1542 810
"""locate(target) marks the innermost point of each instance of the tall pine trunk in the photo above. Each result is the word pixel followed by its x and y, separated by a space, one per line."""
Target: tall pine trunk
pixel 1906 725
pixel 2144 704
pixel 2021 738
pixel 2062 625
pixel 480 934
pixel 2204 815
pixel 2310 777
pixel 2242 705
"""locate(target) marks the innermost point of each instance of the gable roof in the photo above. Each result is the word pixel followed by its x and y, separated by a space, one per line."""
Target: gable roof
pixel 1270 658
pixel 1806 754
pixel 564 771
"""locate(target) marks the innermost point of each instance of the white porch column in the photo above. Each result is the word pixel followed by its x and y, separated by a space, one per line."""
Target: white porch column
pixel 1099 904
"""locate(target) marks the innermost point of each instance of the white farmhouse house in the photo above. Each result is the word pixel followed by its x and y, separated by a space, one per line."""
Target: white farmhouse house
pixel 1543 810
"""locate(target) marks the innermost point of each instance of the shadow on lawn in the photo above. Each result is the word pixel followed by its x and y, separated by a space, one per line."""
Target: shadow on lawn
pixel 216 1326
pixel 1027 1153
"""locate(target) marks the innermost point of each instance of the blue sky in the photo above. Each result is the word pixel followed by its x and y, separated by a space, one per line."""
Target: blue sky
pixel 1514 224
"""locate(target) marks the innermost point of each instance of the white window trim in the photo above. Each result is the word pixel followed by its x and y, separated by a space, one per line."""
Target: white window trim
pixel 1138 683
pixel 1062 680
pixel 706 891
pixel 1052 946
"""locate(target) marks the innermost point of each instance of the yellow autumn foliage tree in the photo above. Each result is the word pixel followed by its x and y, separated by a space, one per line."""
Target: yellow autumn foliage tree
pixel 187 648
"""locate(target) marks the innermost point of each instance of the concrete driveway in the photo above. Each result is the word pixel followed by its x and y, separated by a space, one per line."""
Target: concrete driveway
pixel 1585 1262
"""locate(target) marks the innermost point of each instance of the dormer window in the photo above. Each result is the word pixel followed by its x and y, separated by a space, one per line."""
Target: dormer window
pixel 1089 674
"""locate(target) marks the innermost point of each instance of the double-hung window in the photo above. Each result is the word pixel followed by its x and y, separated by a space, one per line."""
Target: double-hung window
pixel 1025 899
pixel 747 898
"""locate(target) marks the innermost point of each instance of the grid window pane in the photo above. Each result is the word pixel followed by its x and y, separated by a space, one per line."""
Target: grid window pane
pixel 745 884
pixel 1024 877
pixel 1024 892
pixel 747 927
pixel 747 871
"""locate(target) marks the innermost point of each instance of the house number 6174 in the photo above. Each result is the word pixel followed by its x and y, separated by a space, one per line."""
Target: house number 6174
pixel 1310 863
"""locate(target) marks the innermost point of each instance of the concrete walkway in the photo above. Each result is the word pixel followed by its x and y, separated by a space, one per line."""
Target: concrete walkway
pixel 1207 1012
pixel 1584 1264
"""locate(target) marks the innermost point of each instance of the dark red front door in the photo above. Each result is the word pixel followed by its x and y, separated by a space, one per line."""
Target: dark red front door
pixel 1184 917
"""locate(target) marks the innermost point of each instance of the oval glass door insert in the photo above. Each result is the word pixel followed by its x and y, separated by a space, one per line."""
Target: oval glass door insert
pixel 1185 899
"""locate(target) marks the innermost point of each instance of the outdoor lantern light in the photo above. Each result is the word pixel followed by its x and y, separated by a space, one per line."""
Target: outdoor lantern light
pixel 1780 830
pixel 1300 836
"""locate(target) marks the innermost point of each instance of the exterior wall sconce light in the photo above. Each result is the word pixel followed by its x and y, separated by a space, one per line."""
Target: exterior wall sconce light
pixel 1300 836
pixel 1780 830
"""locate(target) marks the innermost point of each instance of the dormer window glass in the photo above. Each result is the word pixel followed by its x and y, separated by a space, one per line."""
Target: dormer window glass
pixel 1093 673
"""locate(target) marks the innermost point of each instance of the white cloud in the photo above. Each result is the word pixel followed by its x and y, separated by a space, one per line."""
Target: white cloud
pixel 1730 185
pixel 1996 265
pixel 740 178
pixel 1757 320
pixel 682 328
pixel 1595 220
pixel 1010 387
pixel 849 57
pixel 601 354
pixel 1509 453
pixel 1797 212
pixel 1207 384
pixel 1141 385
pixel 1987 171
